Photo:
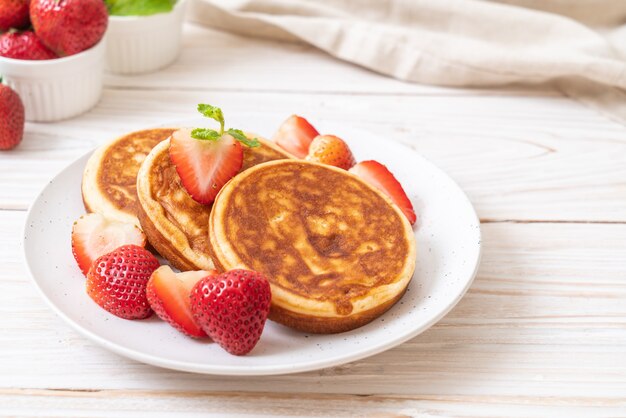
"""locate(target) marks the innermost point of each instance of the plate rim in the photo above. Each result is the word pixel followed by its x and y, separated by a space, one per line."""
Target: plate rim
pixel 264 370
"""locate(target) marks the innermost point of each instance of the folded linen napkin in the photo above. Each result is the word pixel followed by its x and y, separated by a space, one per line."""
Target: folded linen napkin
pixel 578 45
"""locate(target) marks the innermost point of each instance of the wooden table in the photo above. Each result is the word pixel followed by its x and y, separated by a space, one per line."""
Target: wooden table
pixel 542 331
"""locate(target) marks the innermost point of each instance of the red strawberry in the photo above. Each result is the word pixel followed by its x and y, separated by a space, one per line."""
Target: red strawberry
pixel 13 14
pixel 380 177
pixel 232 308
pixel 117 281
pixel 204 166
pixel 169 296
pixel 295 135
pixel 69 26
pixel 93 235
pixel 11 118
pixel 24 46
pixel 331 150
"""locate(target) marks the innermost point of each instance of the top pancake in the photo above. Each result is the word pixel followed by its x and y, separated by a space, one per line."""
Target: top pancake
pixel 175 224
pixel 110 177
pixel 336 251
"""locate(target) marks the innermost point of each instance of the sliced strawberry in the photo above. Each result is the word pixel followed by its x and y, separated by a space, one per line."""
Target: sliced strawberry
pixel 295 135
pixel 380 177
pixel 117 281
pixel 168 295
pixel 205 166
pixel 331 150
pixel 93 235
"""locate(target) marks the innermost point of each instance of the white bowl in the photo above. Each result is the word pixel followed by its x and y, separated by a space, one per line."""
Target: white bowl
pixel 140 44
pixel 59 88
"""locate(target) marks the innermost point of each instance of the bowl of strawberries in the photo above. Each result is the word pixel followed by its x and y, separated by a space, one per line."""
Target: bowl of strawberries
pixel 143 36
pixel 52 54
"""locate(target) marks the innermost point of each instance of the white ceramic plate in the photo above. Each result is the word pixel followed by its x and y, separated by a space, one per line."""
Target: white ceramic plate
pixel 448 242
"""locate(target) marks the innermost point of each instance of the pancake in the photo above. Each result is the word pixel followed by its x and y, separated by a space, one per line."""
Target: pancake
pixel 110 177
pixel 338 253
pixel 175 224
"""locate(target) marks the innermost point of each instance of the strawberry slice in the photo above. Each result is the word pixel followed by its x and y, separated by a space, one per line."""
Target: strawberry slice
pixel 205 166
pixel 295 136
pixel 380 177
pixel 168 295
pixel 331 150
pixel 93 235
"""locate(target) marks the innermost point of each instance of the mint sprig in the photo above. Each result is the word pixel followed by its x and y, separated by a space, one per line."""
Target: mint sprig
pixel 207 134
pixel 139 7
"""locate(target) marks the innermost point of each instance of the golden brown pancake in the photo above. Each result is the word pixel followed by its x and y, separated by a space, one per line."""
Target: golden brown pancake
pixel 175 224
pixel 338 253
pixel 110 177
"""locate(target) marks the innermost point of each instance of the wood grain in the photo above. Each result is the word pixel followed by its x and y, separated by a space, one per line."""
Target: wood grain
pixel 518 159
pixel 542 331
pixel 129 404
pixel 544 323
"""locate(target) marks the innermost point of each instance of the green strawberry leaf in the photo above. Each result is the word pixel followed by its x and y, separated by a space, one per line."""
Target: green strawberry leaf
pixel 139 7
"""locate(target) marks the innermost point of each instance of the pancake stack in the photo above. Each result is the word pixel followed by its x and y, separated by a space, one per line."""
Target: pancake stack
pixel 337 252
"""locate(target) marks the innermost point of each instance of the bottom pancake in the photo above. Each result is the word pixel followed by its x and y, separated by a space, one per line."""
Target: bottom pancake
pixel 175 224
pixel 110 177
pixel 338 253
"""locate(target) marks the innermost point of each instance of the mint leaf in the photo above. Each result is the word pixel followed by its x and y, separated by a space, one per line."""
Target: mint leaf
pixel 241 137
pixel 214 113
pixel 205 134
pixel 139 7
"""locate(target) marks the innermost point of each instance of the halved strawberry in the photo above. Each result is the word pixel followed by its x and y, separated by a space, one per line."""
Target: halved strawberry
pixel 331 150
pixel 204 166
pixel 93 235
pixel 168 294
pixel 380 177
pixel 295 135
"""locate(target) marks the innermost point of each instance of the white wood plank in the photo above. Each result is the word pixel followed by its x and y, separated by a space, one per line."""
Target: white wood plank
pixel 535 158
pixel 545 321
pixel 212 61
pixel 129 404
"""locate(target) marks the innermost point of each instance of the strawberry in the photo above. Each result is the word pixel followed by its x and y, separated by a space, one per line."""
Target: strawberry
pixel 205 166
pixel 232 308
pixel 117 281
pixel 295 136
pixel 381 178
pixel 93 235
pixel 331 150
pixel 13 14
pixel 206 159
pixel 11 118
pixel 24 46
pixel 168 295
pixel 69 26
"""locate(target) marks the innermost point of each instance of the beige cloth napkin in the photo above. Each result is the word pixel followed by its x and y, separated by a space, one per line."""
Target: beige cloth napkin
pixel 578 45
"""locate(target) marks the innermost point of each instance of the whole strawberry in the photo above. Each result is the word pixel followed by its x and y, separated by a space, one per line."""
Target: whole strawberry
pixel 69 26
pixel 117 281
pixel 13 14
pixel 331 150
pixel 11 118
pixel 232 308
pixel 24 46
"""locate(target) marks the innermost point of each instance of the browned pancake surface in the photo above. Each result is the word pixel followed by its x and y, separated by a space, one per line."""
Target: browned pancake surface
pixel 189 216
pixel 318 233
pixel 117 177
